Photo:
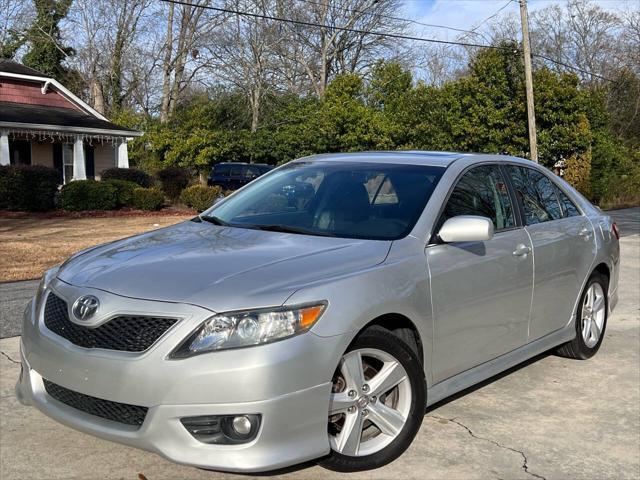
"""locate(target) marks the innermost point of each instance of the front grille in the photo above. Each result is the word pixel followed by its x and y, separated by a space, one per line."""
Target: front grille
pixel 123 333
pixel 114 411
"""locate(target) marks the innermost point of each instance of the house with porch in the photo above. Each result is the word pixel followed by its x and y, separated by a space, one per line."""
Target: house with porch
pixel 43 123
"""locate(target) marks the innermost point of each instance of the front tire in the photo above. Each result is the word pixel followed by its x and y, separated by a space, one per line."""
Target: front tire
pixel 591 320
pixel 377 403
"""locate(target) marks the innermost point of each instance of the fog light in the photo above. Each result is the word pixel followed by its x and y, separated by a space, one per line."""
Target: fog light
pixel 242 425
pixel 223 429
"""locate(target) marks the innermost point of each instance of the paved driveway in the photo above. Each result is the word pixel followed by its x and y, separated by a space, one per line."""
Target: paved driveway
pixel 13 297
pixel 550 418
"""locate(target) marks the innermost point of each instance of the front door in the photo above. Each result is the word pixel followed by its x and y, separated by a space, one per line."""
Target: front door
pixel 481 291
pixel 564 248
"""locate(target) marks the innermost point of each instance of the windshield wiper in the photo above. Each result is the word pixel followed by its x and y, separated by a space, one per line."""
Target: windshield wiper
pixel 213 219
pixel 289 229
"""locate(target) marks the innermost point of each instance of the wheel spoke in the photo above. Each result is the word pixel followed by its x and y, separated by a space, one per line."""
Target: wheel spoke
pixel 388 420
pixel 348 441
pixel 595 330
pixel 592 296
pixel 390 375
pixel 598 304
pixel 587 298
pixel 352 371
pixel 340 402
pixel 586 327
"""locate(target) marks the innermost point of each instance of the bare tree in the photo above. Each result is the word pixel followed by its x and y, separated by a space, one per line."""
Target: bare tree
pixel 103 48
pixel 15 18
pixel 187 27
pixel 244 53
pixel 327 50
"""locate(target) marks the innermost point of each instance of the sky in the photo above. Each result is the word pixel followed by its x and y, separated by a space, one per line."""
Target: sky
pixel 465 14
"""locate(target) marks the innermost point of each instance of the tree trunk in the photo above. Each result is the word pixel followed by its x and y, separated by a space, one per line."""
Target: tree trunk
pixel 167 68
pixel 97 95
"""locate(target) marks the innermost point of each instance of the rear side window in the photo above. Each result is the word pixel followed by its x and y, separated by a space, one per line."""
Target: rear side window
pixel 222 170
pixel 482 191
pixel 568 207
pixel 537 193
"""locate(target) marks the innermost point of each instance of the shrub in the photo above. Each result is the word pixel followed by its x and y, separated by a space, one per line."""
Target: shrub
pixel 200 197
pixel 124 192
pixel 88 195
pixel 129 174
pixel 148 198
pixel 174 180
pixel 28 187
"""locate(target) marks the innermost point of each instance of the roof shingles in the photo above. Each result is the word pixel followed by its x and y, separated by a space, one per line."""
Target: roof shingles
pixel 47 115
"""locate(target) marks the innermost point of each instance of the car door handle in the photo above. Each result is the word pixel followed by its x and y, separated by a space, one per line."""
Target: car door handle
pixel 521 250
pixel 586 233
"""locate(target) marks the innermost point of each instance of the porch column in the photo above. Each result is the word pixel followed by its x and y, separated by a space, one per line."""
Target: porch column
pixel 79 171
pixel 5 159
pixel 123 155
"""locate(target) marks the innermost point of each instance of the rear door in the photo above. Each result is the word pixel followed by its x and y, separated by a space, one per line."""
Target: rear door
pixel 564 248
pixel 481 291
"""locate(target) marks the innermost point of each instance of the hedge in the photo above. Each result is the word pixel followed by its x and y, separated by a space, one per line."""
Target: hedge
pixel 80 195
pixel 28 188
pixel 200 197
pixel 124 192
pixel 129 174
pixel 148 198
pixel 174 180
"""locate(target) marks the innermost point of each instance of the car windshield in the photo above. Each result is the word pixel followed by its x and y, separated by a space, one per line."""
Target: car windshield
pixel 377 201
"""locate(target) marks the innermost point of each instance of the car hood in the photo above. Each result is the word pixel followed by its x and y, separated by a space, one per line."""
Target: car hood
pixel 219 268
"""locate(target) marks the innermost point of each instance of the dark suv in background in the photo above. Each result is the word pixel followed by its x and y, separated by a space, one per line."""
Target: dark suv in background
pixel 231 176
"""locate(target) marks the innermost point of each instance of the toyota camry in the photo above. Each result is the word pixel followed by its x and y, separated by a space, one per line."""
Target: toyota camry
pixel 316 312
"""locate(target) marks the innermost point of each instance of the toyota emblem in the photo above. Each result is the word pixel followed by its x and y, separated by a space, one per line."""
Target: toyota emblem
pixel 85 306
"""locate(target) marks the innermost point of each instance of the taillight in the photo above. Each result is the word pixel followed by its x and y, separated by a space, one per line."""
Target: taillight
pixel 614 229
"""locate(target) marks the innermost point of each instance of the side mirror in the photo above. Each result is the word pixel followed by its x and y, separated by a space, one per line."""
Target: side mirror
pixel 466 228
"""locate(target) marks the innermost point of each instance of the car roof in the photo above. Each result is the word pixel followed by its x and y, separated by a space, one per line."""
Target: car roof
pixel 409 157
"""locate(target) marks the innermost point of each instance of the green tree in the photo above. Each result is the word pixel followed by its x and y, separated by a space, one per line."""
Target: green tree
pixel 46 51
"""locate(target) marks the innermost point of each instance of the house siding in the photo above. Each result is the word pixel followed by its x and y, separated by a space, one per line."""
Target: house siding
pixel 42 153
pixel 104 157
pixel 17 91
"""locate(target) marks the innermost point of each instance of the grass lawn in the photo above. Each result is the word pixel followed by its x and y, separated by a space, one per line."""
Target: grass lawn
pixel 29 246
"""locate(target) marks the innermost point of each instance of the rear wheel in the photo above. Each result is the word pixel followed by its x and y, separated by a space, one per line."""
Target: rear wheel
pixel 591 320
pixel 377 403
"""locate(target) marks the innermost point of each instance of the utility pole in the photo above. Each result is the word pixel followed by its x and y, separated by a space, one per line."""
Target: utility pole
pixel 531 112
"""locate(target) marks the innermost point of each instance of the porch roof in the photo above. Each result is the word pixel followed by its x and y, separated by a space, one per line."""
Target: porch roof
pixel 38 117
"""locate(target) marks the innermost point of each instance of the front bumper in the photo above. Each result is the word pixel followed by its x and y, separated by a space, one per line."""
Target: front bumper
pixel 287 382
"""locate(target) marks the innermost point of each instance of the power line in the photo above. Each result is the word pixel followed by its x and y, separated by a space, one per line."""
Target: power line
pixel 400 19
pixel 494 15
pixel 572 67
pixel 332 27
pixel 378 34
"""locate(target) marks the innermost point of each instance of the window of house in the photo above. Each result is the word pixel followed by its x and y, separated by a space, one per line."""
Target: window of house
pixel 67 161
pixel 537 193
pixel 482 191
pixel 19 152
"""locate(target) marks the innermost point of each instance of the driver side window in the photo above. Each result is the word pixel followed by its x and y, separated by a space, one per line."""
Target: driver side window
pixel 482 191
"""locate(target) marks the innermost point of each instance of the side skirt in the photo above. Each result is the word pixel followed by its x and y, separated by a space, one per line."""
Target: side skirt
pixel 493 367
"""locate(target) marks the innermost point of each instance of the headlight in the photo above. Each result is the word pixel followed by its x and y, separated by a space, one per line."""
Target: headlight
pixel 250 327
pixel 44 283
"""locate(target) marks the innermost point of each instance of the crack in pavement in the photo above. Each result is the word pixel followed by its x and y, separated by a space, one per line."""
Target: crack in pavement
pixel 525 461
pixel 9 358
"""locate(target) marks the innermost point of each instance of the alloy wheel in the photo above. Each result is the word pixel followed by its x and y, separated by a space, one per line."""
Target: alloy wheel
pixel 370 402
pixel 593 314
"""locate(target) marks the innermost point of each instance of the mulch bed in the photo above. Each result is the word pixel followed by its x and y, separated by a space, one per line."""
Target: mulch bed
pixel 125 212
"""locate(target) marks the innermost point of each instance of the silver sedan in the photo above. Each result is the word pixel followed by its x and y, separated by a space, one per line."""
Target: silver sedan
pixel 316 312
